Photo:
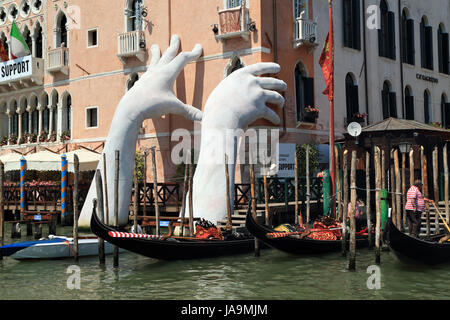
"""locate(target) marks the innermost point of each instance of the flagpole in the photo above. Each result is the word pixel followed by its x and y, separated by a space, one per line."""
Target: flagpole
pixel 331 115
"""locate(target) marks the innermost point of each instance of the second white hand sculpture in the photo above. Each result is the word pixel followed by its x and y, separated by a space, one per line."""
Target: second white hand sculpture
pixel 239 100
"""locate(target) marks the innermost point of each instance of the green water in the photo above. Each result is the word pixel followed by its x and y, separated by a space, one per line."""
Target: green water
pixel 274 275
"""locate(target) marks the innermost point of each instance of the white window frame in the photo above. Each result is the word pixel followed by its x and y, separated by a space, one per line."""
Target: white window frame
pixel 87 118
pixel 87 38
pixel 306 10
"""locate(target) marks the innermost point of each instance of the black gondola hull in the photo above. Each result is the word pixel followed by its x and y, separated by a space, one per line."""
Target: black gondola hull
pixel 412 250
pixel 296 246
pixel 173 250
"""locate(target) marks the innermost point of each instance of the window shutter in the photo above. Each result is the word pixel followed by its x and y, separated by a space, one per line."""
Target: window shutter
pixel 411 54
pixel 409 101
pixel 347 23
pixel 391 35
pixel 445 53
pixel 355 99
pixel 404 39
pixel 429 46
pixel 385 103
pixel 422 44
pixel 440 53
pixel 447 115
pixel 392 105
pixel 356 25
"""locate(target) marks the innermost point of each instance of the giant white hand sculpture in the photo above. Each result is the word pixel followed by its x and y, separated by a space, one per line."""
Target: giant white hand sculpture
pixel 152 96
pixel 239 100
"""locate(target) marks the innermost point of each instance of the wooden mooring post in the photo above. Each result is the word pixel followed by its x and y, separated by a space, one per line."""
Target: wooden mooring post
pixel 308 187
pixel 266 198
pixel 191 204
pixel 183 200
pixel 398 194
pixel 135 199
pixel 352 246
pixel 100 213
pixel 227 192
pixel 338 183
pixel 425 189
pixel 296 218
pixel 145 182
pixel 368 200
pixel 392 186
pixel 404 189
pixel 446 181
pixel 106 190
pixel 345 200
pixel 155 190
pixel 253 195
pixel 76 164
pixel 378 206
pixel 437 229
pixel 116 205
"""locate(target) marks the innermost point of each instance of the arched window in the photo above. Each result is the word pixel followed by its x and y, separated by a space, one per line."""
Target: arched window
pixel 69 113
pixel 388 101
pixel 61 30
pixel 4 41
pixel 407 38
pixel 443 50
pixel 352 24
pixel 386 34
pixel 14 125
pixel 409 104
pixel 34 115
pixel 54 102
pixel 445 111
pixel 426 44
pixel 352 99
pixel 45 113
pixel 38 41
pixel 304 93
pixel 233 3
pixel 427 107
pixel 25 115
pixel 132 80
pixel 28 40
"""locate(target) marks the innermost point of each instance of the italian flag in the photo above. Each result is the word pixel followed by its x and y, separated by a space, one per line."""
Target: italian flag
pixel 19 47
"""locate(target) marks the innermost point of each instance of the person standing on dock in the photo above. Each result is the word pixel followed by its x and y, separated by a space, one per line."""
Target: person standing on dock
pixel 415 205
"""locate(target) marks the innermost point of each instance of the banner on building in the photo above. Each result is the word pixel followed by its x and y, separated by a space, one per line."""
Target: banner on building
pixel 230 20
pixel 15 69
pixel 286 160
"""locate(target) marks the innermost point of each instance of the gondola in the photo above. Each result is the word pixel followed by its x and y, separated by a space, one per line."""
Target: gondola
pixel 413 250
pixel 171 248
pixel 294 245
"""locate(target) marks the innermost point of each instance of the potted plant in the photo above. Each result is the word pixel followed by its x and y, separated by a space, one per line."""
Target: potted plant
pixel 65 136
pixel 32 137
pixel 52 137
pixel 311 114
pixel 3 141
pixel 12 139
pixel 43 136
pixel 359 117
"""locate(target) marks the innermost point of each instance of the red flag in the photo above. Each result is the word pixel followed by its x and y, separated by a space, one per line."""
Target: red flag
pixel 3 53
pixel 326 60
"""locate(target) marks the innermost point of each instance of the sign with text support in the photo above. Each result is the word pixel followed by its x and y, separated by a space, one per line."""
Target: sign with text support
pixel 16 69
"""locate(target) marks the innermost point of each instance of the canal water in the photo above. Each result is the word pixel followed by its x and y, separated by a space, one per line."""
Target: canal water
pixel 273 275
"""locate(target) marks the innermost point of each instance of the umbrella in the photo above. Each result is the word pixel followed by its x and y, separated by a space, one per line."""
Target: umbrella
pixel 11 161
pixel 88 159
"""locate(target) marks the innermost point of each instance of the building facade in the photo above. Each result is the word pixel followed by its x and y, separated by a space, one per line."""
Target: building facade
pixel 87 54
pixel 391 60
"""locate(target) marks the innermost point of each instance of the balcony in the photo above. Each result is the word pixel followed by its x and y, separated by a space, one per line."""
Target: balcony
pixel 58 60
pixel 305 32
pixel 131 44
pixel 21 73
pixel 233 23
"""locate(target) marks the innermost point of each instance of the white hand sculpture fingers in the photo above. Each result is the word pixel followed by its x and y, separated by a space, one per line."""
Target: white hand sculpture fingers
pixel 262 68
pixel 156 55
pixel 271 83
pixel 270 115
pixel 178 107
pixel 273 97
pixel 171 51
pixel 181 60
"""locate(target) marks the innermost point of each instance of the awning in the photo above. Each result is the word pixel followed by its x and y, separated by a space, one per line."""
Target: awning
pixel 88 159
pixel 44 161
pixel 11 161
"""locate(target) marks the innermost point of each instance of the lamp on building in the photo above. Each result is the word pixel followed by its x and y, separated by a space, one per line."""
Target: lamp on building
pixel 252 26
pixel 142 44
pixel 215 29
pixel 404 147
